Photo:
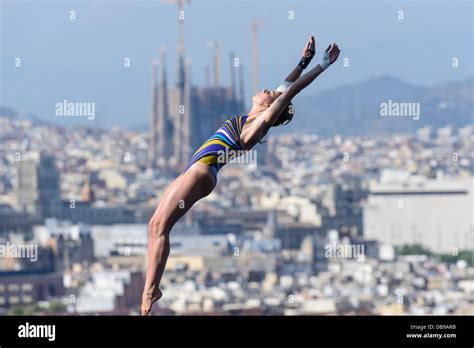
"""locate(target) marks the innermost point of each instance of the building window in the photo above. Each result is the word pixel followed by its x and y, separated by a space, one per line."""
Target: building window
pixel 13 287
pixel 14 300
pixel 27 299
pixel 2 288
pixel 27 287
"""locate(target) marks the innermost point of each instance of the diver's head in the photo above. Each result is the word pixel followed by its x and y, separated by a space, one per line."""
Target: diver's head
pixel 263 99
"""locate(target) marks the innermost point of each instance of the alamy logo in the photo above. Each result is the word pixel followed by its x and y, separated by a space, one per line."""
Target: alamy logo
pixel 74 109
pixel 345 251
pixel 400 109
pixel 237 156
pixel 37 331
pixel 19 251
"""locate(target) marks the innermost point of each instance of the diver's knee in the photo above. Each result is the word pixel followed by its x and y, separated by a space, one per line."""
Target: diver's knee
pixel 157 227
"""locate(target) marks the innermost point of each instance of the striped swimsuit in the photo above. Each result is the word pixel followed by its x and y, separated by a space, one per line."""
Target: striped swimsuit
pixel 224 141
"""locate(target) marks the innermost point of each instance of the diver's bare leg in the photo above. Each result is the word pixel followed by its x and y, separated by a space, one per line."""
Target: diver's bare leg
pixel 196 183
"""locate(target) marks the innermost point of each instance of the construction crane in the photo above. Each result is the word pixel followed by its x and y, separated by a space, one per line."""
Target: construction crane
pixel 232 77
pixel 180 4
pixel 255 67
pixel 207 76
pixel 216 61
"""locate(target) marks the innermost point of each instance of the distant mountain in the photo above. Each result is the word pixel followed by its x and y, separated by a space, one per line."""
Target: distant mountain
pixel 8 112
pixel 356 109
pixel 11 113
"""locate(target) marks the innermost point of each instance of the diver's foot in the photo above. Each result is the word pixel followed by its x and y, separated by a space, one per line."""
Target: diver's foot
pixel 149 297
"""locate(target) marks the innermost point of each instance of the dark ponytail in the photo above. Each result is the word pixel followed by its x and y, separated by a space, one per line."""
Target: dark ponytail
pixel 285 117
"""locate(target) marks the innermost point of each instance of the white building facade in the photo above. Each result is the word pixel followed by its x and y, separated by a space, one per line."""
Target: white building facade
pixel 437 214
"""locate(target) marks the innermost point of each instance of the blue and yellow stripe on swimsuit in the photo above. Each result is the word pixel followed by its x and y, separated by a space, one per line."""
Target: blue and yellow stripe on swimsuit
pixel 225 139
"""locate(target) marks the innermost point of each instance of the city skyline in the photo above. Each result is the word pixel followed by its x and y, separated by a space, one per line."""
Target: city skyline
pixel 75 56
pixel 338 234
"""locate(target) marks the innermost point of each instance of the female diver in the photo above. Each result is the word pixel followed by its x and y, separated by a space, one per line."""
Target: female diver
pixel 269 109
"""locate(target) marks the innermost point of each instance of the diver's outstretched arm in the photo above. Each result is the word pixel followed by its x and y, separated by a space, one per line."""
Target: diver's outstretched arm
pixel 268 118
pixel 308 54
pixel 330 56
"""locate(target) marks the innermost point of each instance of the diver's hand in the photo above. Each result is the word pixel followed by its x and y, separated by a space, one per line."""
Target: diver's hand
pixel 308 53
pixel 310 48
pixel 330 56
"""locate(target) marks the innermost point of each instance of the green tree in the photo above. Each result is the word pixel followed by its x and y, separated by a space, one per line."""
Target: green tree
pixel 413 249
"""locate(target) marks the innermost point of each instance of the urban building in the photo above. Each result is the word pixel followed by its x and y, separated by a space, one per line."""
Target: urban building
pixel 38 185
pixel 437 214
pixel 184 116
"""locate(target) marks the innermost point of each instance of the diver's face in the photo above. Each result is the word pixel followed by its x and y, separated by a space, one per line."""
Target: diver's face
pixel 264 97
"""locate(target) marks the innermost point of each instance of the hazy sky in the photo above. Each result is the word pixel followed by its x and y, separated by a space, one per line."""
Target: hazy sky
pixel 82 59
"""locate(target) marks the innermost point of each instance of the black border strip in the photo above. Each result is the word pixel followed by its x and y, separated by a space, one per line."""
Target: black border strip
pixel 266 330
